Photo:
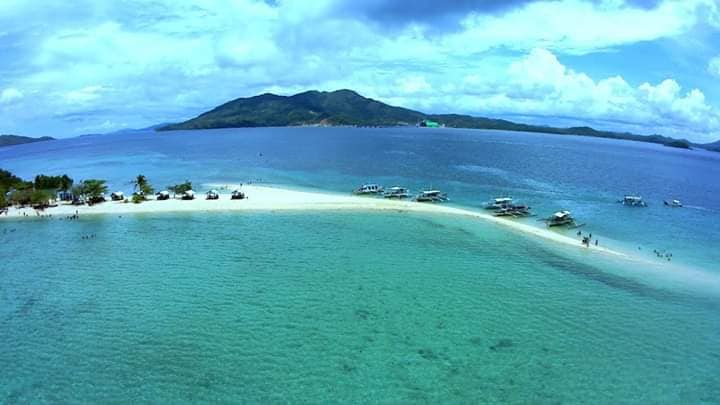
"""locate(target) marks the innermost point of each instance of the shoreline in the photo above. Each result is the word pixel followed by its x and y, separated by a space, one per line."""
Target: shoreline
pixel 270 198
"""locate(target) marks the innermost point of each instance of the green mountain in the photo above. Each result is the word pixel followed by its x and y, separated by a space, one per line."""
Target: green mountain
pixel 346 107
pixel 342 107
pixel 7 140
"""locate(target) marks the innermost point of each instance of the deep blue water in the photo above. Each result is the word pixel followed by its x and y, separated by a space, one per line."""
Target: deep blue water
pixel 548 172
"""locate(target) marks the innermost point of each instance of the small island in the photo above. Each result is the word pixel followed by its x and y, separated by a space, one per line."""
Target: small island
pixel 348 108
pixel 9 140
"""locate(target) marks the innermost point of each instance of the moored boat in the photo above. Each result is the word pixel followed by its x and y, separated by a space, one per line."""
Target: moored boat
pixel 431 196
pixel 212 195
pixel 117 196
pixel 397 192
pixel 368 189
pixel 188 195
pixel 163 195
pixel 633 201
pixel 560 218
pixel 498 203
pixel 513 210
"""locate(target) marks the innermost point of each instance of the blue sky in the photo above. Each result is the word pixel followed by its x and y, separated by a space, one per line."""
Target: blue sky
pixel 89 66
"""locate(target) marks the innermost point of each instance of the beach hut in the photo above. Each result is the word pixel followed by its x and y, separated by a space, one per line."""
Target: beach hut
pixel 117 196
pixel 64 196
pixel 237 195
pixel 188 195
pixel 163 195
pixel 212 195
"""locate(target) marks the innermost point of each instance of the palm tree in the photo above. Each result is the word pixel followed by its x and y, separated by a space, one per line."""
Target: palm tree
pixel 142 185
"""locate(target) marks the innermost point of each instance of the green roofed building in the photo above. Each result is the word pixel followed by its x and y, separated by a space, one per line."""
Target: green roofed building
pixel 429 124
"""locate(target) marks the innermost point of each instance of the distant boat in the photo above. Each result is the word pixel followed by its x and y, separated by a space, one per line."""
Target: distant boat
pixel 163 195
pixel 633 201
pixel 498 203
pixel 212 195
pixel 674 203
pixel 237 195
pixel 397 192
pixel 368 189
pixel 117 196
pixel 560 218
pixel 431 196
pixel 188 195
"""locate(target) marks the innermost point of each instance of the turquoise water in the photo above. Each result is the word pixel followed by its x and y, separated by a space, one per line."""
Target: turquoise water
pixel 372 308
pixel 360 307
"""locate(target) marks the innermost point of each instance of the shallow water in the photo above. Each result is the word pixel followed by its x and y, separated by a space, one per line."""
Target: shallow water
pixel 356 306
pixel 378 307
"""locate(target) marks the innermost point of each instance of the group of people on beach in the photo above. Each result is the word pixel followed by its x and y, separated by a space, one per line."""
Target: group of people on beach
pixel 663 255
pixel 587 239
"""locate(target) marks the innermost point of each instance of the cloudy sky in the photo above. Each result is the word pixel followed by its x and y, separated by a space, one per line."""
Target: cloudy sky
pixel 89 66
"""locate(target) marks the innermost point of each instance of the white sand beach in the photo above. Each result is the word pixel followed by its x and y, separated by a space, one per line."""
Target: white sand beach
pixel 271 198
pixel 266 198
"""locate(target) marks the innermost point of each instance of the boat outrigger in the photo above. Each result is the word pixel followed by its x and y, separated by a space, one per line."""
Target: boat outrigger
pixel 560 218
pixel 633 201
pixel 499 203
pixel 368 189
pixel 397 192
pixel 512 210
pixel 674 203
pixel 431 196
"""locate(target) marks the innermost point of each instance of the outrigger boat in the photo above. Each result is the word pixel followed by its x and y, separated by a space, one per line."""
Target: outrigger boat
pixel 633 201
pixel 431 196
pixel 674 203
pixel 397 192
pixel 368 189
pixel 498 203
pixel 512 210
pixel 560 218
pixel 212 195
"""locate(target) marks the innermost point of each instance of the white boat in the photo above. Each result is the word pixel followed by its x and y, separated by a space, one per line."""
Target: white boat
pixel 498 203
pixel 397 192
pixel 431 196
pixel 188 195
pixel 212 195
pixel 674 203
pixel 163 195
pixel 560 218
pixel 117 196
pixel 368 189
pixel 633 201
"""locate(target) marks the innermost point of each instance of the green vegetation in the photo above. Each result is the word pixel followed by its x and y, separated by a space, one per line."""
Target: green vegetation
pixel 92 190
pixel 7 140
pixel 345 107
pixel 58 183
pixel 142 188
pixel 678 143
pixel 180 188
pixel 38 193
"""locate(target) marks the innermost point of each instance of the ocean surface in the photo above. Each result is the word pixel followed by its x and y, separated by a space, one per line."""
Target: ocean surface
pixel 365 307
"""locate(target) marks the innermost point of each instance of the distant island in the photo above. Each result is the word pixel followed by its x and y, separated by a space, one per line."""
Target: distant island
pixel 348 108
pixel 8 140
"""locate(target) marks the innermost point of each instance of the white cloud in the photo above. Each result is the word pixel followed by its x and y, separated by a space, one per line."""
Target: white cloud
pixel 84 95
pixel 10 95
pixel 714 66
pixel 164 60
